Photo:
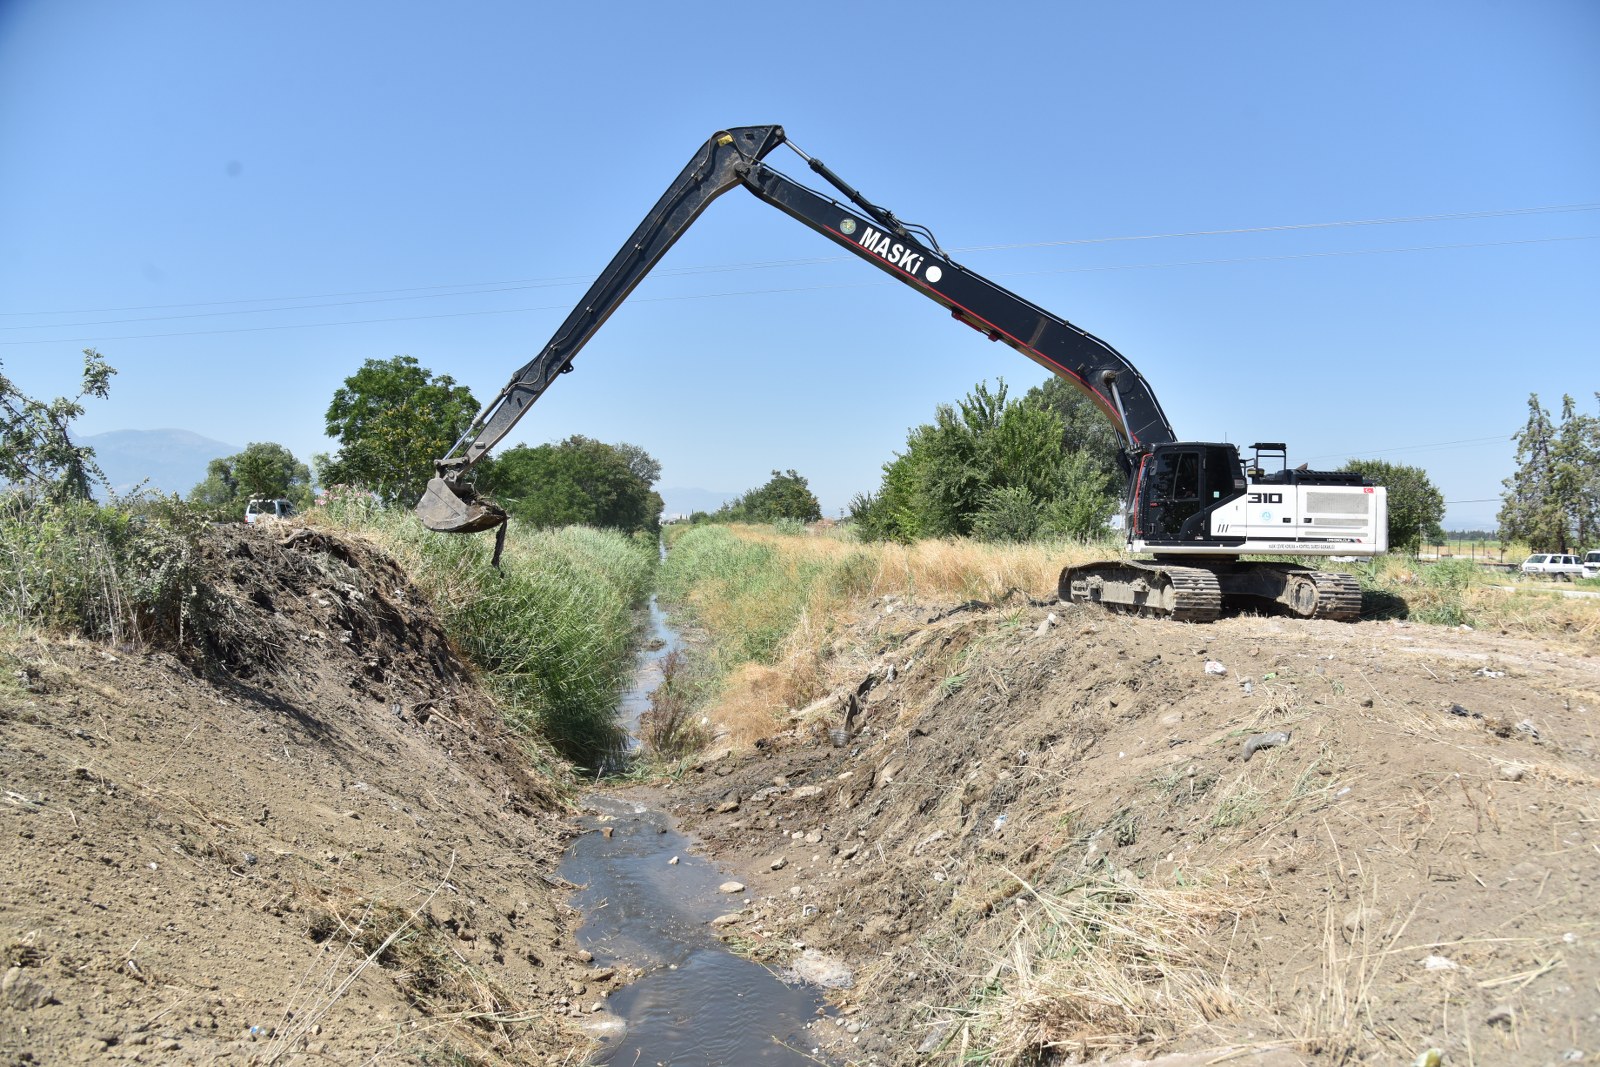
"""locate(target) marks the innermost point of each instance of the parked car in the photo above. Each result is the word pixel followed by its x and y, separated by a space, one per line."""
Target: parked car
pixel 1553 565
pixel 257 510
pixel 1591 565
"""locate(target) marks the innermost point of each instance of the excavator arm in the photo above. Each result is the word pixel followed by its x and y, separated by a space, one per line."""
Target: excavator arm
pixel 908 253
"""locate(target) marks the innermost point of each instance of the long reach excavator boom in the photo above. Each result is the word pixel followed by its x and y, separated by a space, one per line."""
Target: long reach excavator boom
pixel 1197 502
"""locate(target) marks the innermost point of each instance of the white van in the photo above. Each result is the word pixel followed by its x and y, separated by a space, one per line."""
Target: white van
pixel 257 510
pixel 1591 565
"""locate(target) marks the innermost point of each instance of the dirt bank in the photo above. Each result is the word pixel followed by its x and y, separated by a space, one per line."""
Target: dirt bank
pixel 312 843
pixel 1060 835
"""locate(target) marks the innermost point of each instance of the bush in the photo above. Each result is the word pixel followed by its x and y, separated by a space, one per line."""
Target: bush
pixel 127 573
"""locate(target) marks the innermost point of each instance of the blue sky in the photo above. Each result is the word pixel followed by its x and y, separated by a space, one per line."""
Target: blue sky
pixel 238 204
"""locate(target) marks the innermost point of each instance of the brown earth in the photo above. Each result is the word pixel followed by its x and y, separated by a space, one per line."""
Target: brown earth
pixel 1417 867
pixel 1041 838
pixel 315 843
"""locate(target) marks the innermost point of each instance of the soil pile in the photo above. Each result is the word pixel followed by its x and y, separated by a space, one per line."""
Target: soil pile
pixel 1064 835
pixel 309 841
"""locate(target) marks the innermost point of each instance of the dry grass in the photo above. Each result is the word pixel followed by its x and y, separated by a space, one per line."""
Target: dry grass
pixel 1105 966
pixel 474 1018
pixel 783 649
pixel 754 703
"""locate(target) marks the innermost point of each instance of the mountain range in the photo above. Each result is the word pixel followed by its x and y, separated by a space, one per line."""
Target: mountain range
pixel 166 461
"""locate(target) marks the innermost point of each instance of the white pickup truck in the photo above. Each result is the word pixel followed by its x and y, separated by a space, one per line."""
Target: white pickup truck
pixel 1555 565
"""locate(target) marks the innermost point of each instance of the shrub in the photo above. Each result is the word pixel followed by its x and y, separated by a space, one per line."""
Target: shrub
pixel 127 573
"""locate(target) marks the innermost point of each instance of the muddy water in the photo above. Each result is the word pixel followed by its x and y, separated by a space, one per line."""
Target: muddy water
pixel 697 1003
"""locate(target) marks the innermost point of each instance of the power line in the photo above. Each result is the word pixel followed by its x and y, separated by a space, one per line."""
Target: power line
pixel 519 283
pixel 794 289
pixel 1413 448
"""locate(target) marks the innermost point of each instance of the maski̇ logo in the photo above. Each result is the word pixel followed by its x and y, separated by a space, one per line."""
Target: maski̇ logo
pixel 891 251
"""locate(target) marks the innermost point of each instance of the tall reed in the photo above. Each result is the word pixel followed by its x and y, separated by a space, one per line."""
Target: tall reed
pixel 551 629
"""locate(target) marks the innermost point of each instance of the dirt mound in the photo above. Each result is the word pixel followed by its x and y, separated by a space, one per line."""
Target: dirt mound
pixel 302 836
pixel 1060 834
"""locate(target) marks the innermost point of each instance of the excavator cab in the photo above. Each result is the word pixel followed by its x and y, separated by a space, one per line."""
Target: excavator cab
pixel 1182 481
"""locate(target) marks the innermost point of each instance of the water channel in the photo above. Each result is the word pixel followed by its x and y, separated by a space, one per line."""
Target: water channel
pixel 697 1003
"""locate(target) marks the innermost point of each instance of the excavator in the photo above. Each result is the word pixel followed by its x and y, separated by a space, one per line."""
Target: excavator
pixel 1197 509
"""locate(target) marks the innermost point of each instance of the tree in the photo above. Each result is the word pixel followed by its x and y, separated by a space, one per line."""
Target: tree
pixel 36 449
pixel 1415 505
pixel 1084 427
pixel 1552 501
pixel 579 482
pixel 262 471
pixel 786 495
pixel 997 469
pixel 392 419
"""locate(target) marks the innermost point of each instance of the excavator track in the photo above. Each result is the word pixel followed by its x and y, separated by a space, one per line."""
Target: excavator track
pixel 1338 596
pixel 1189 593
pixel 1183 594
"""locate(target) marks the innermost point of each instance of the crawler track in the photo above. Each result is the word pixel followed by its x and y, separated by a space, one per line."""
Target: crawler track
pixel 1197 593
pixel 1183 594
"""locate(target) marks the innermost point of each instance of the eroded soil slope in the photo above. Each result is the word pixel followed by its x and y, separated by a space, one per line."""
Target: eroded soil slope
pixel 318 846
pixel 1037 831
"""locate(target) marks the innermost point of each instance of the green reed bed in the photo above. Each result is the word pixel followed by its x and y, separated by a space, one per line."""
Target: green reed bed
pixel 551 629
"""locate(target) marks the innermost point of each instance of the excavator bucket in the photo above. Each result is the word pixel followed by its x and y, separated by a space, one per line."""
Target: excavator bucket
pixel 446 509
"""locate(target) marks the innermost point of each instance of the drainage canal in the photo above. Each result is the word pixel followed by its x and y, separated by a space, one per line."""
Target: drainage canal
pixel 696 1003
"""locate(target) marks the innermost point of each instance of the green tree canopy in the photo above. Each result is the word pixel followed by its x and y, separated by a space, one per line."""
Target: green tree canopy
pixel 1552 501
pixel 579 482
pixel 36 449
pixel 263 470
pixel 786 495
pixel 392 419
pixel 998 469
pixel 1084 427
pixel 1415 505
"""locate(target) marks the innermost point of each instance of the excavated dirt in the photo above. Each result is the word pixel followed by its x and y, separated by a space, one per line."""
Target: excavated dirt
pixel 310 841
pixel 1414 866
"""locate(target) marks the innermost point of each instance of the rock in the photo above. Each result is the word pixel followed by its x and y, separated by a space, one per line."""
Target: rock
pixel 731 887
pixel 936 1036
pixel 824 971
pixel 813 838
pixel 1256 742
pixel 1512 772
pixel 1214 667
pixel 585 956
pixel 1500 1015
pixel 1439 963
pixel 726 920
pixel 779 864
pixel 806 792
pixel 673 862
pixel 22 993
pixel 729 803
